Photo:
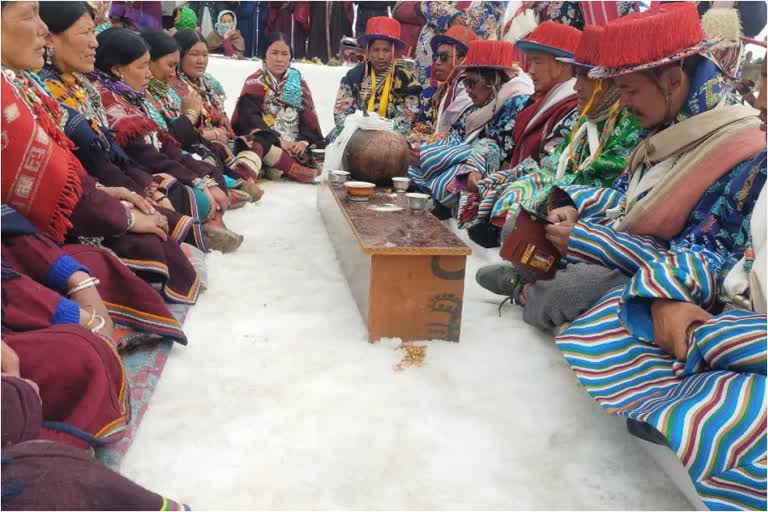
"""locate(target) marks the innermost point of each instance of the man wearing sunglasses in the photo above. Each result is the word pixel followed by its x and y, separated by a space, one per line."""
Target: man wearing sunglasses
pixel 445 104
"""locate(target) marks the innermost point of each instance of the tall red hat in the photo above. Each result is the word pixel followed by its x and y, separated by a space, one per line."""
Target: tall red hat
pixel 554 38
pixel 483 53
pixel 664 34
pixel 458 35
pixel 381 27
pixel 587 52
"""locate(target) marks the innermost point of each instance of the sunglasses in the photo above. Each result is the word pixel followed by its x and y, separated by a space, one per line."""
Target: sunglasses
pixel 442 57
pixel 470 83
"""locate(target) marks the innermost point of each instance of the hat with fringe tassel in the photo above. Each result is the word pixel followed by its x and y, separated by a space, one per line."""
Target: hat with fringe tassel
pixel 553 38
pixel 484 53
pixel 586 54
pixel 381 27
pixel 458 36
pixel 662 35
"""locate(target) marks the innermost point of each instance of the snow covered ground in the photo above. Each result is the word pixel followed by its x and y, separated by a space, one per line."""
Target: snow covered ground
pixel 279 402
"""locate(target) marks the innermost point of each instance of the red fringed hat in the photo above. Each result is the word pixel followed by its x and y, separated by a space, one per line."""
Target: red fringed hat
pixel 381 27
pixel 553 38
pixel 587 52
pixel 489 54
pixel 661 35
pixel 458 36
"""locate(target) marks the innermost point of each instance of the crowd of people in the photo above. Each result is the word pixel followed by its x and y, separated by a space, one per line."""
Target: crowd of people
pixel 631 137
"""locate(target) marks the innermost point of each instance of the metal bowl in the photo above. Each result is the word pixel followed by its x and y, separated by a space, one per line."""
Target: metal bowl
pixel 417 201
pixel 337 177
pixel 401 183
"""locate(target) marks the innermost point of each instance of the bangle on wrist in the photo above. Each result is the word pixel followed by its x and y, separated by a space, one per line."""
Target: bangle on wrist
pixel 100 323
pixel 82 285
pixel 131 219
pixel 92 311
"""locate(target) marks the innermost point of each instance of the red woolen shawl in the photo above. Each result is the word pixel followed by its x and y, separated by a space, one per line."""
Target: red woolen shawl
pixel 41 175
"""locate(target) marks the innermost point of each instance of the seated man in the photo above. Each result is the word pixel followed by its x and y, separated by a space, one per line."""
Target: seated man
pixel 379 84
pixel 442 106
pixel 693 182
pixel 549 115
pixel 594 153
pixel 480 142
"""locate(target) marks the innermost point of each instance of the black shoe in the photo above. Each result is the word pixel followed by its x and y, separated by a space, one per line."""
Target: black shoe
pixel 485 234
pixel 442 212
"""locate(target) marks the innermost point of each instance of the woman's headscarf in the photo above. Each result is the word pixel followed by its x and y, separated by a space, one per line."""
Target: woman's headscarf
pixel 187 19
pixel 222 28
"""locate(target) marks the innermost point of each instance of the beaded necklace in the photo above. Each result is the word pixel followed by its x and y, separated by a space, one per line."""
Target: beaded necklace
pixel 37 98
pixel 289 88
pixel 163 102
pixel 71 90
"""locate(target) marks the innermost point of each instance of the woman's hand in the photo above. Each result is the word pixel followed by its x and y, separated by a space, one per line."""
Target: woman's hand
pixel 161 199
pixel 285 145
pixel 90 298
pixel 229 34
pixel 220 198
pixel 123 194
pixel 473 181
pixel 9 361
pixel 673 323
pixel 192 101
pixel 299 149
pixel 154 224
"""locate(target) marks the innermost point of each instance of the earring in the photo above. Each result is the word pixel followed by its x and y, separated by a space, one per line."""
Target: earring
pixel 49 55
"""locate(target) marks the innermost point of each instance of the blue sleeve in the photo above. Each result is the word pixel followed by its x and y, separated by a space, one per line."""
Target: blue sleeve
pixel 67 312
pixel 61 270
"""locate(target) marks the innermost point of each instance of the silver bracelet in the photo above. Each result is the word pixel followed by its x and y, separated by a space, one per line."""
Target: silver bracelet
pixel 85 283
pixel 99 326
pixel 131 219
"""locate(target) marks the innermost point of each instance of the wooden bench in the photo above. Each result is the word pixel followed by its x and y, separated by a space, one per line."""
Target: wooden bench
pixel 405 269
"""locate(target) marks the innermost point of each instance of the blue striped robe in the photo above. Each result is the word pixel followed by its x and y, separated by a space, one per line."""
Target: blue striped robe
pixel 710 408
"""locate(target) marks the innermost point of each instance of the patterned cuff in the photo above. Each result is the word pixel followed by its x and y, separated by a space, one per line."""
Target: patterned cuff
pixel 61 270
pixel 67 312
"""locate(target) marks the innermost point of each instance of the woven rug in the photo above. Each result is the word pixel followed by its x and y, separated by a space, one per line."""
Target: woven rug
pixel 143 366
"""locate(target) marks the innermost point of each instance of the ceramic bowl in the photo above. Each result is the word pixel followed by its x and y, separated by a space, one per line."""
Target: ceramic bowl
pixel 401 183
pixel 417 201
pixel 359 190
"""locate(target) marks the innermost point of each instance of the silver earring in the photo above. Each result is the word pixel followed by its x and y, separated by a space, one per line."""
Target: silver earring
pixel 49 52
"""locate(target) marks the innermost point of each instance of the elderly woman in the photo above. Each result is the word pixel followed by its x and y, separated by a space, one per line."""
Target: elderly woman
pixel 277 98
pixel 482 140
pixel 250 150
pixel 594 153
pixel 46 183
pixel 225 38
pixel 380 84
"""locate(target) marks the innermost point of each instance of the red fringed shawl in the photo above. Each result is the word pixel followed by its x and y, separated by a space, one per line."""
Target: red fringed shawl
pixel 41 175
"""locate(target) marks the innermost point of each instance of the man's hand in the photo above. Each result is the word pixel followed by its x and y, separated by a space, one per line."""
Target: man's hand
pixel 673 323
pixel 566 214
pixel 473 181
pixel 559 234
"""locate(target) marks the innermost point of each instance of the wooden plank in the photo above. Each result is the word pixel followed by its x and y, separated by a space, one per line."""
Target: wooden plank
pixel 416 297
pixel 402 232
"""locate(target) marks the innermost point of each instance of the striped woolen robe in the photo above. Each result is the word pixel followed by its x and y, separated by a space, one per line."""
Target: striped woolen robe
pixel 710 408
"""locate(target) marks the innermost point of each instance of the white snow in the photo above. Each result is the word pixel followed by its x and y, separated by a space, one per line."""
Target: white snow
pixel 279 402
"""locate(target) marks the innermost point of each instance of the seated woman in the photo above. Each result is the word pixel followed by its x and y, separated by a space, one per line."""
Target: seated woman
pixel 38 273
pixel 225 38
pixel 178 116
pixel 594 153
pixel 45 182
pixel 32 466
pixel 482 140
pixel 121 77
pixel 276 98
pixel 379 83
pixel 69 55
pixel 250 150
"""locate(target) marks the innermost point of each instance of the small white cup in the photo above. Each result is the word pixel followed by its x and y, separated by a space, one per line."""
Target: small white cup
pixel 401 184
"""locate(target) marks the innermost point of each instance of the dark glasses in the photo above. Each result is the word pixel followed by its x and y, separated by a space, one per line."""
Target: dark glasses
pixel 470 83
pixel 442 57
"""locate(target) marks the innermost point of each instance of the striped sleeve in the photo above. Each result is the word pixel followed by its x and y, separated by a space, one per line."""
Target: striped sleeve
pixel 593 202
pixel 734 341
pixel 685 276
pixel 593 243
